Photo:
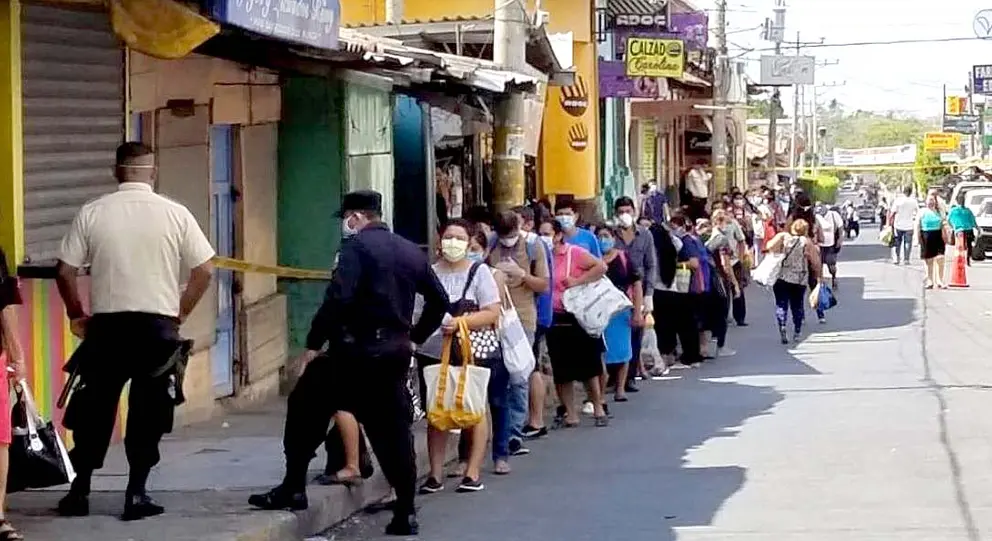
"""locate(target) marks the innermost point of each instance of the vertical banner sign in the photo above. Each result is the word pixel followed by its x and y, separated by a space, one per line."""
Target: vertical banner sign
pixel 649 149
pixel 570 140
pixel 653 57
pixel 981 79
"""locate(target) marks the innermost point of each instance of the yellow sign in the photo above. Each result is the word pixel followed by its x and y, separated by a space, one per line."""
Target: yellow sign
pixel 957 105
pixel 941 142
pixel 652 57
pixel 570 139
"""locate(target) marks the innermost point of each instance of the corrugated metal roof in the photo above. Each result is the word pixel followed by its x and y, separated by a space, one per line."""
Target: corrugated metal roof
pixel 453 19
pixel 482 74
pixel 637 7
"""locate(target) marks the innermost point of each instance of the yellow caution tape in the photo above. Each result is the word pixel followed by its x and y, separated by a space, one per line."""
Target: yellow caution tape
pixel 275 270
pixel 806 169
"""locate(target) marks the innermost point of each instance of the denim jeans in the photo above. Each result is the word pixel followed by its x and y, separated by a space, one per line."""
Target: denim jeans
pixel 902 239
pixel 518 406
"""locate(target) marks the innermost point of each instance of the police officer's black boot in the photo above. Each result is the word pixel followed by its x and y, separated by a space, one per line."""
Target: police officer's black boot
pixel 138 504
pixel 77 502
pixel 280 499
pixel 403 524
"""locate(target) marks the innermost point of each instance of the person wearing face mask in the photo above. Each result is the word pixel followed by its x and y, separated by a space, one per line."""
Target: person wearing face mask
pixel 617 335
pixel 567 217
pixel 473 295
pixel 638 245
pixel 524 262
pixel 366 320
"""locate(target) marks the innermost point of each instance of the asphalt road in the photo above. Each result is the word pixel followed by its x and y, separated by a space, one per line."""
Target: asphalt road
pixel 875 427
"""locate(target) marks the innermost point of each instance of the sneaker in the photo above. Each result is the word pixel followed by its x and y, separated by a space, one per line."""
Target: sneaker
pixel 725 352
pixel 431 486
pixel 797 336
pixel 823 321
pixel 533 433
pixel 517 448
pixel 587 408
pixel 470 485
pixel 783 334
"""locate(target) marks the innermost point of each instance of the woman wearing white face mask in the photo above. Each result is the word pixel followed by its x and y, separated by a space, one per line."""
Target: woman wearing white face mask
pixel 473 292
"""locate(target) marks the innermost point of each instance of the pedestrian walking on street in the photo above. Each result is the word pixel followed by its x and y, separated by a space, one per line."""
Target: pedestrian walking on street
pixel 675 309
pixel 830 224
pixel 934 235
pixel 902 219
pixel 617 335
pixel 800 258
pixel 366 319
pixel 12 368
pixel 137 244
pixel 473 294
pixel 575 356
pixel 962 220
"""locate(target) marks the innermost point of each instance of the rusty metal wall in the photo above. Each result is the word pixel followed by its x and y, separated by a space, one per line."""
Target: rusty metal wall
pixel 74 118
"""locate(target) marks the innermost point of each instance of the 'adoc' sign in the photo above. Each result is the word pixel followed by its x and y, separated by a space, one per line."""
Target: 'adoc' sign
pixel 654 57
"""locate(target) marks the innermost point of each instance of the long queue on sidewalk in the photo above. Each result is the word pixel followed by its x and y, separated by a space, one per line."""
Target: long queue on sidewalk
pixel 518 298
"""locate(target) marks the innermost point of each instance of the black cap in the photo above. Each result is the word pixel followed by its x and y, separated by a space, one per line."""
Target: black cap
pixel 361 200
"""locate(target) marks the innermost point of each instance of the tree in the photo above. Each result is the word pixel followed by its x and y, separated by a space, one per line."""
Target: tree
pixel 927 170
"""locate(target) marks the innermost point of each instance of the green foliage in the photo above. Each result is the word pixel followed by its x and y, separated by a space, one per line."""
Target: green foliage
pixel 927 170
pixel 822 187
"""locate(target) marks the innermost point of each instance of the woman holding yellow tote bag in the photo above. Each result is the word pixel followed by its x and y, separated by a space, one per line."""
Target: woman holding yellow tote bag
pixel 457 368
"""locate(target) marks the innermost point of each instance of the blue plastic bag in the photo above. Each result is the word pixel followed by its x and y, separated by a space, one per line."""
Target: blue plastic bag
pixel 827 299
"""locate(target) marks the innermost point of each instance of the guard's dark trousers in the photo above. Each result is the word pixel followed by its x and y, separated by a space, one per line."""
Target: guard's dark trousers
pixel 373 388
pixel 122 347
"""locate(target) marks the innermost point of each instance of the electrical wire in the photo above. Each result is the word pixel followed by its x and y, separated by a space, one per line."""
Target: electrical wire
pixel 873 43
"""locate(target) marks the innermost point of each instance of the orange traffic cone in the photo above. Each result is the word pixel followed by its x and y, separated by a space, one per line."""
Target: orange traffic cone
pixel 959 277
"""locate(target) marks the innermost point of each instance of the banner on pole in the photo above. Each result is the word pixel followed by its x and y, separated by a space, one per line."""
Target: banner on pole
pixel 874 155
pixel 941 142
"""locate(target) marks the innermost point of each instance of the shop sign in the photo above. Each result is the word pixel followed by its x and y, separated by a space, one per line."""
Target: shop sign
pixel 966 124
pixel 310 22
pixel 614 83
pixel 575 97
pixel 658 20
pixel 941 142
pixel 874 156
pixel 652 57
pixel 981 78
pixel 698 142
pixel 956 105
pixel 692 28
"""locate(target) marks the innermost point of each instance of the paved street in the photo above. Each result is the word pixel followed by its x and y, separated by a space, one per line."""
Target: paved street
pixel 873 428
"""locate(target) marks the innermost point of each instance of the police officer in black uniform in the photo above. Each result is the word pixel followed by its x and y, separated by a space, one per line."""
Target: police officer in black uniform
pixel 366 318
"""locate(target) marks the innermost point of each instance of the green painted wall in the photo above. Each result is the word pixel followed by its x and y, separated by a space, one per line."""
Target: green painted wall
pixel 311 173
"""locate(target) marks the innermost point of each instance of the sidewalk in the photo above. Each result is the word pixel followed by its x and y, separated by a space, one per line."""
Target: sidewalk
pixel 206 475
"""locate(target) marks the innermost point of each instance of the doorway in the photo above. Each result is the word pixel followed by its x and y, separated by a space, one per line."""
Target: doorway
pixel 222 201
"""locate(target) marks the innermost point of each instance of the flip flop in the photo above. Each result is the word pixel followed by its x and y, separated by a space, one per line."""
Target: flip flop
pixel 334 479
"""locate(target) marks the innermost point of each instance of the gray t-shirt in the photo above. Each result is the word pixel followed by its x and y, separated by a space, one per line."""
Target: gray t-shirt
pixel 483 291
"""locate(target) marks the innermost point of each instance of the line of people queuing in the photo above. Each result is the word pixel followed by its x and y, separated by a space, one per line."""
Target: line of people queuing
pixel 684 273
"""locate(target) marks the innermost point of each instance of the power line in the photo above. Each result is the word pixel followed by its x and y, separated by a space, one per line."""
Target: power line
pixel 891 42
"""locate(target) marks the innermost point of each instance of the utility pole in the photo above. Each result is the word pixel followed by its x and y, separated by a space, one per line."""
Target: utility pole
pixel 775 31
pixel 795 113
pixel 971 111
pixel 510 36
pixel 394 11
pixel 815 136
pixel 720 89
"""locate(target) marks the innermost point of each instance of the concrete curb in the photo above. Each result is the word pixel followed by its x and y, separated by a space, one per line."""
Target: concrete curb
pixel 329 506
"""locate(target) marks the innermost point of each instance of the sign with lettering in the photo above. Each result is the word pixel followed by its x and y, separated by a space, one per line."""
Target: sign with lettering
pixel 652 57
pixel 966 124
pixel 941 142
pixel 654 16
pixel 310 22
pixel 956 105
pixel 981 77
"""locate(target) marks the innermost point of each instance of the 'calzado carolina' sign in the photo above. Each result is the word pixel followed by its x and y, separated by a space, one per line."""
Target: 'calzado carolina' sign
pixel 653 57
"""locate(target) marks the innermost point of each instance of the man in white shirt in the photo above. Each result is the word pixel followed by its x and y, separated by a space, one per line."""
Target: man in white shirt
pixel 832 225
pixel 902 219
pixel 137 245
pixel 697 184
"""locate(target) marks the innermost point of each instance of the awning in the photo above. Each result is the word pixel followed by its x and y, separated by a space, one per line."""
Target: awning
pixel 449 32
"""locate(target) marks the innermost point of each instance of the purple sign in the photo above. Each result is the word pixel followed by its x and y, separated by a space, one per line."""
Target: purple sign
pixel 614 82
pixel 691 27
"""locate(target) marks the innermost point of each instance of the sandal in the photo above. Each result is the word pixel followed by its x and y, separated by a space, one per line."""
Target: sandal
pixel 602 421
pixel 502 468
pixel 336 478
pixel 8 532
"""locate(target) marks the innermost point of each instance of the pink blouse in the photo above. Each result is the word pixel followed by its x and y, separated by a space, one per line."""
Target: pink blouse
pixel 579 255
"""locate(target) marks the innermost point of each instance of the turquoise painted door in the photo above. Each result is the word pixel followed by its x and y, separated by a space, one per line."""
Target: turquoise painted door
pixel 222 194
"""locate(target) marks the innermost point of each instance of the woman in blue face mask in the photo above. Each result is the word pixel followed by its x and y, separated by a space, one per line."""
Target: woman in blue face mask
pixel 620 270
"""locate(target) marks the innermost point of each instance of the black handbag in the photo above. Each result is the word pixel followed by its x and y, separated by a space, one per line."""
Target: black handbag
pixel 38 459
pixel 485 343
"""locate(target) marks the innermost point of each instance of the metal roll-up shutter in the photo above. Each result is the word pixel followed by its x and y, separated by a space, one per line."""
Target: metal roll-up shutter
pixel 74 103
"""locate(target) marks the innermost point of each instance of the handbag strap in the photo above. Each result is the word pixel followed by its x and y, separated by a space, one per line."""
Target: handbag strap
pixel 32 416
pixel 468 280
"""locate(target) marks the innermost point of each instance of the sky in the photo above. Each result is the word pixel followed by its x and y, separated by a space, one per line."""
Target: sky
pixel 903 77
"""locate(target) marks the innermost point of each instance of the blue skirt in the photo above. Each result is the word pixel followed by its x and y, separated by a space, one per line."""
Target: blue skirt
pixel 617 338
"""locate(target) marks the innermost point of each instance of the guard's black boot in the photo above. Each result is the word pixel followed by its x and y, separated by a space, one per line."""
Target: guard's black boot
pixel 74 505
pixel 403 525
pixel 140 506
pixel 280 499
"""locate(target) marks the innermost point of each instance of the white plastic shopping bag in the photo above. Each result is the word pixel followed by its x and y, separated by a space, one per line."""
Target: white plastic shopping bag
pixel 518 355
pixel 766 273
pixel 456 395
pixel 594 304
